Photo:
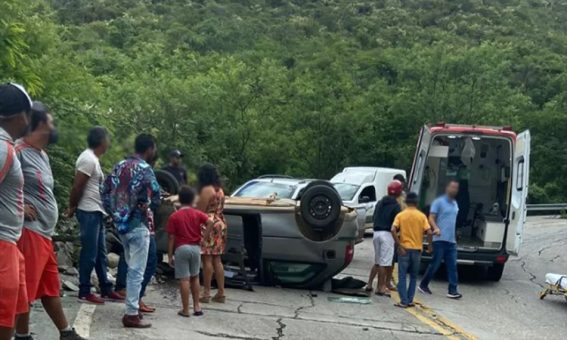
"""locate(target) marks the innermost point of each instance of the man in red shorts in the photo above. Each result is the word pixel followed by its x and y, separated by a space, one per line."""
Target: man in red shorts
pixel 41 213
pixel 15 105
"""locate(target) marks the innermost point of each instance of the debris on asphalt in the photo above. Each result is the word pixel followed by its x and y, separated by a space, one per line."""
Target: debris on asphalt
pixel 350 299
pixel 68 285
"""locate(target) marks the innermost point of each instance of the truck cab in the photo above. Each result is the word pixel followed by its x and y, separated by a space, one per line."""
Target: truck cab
pixel 491 165
pixel 362 187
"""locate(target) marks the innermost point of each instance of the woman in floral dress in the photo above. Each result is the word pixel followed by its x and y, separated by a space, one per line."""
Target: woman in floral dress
pixel 211 202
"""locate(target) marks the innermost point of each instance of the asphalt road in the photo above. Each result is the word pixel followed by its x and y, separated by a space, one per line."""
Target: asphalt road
pixel 509 309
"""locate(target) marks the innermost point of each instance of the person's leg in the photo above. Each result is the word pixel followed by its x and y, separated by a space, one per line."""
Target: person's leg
pixel 89 248
pixel 184 287
pixel 219 275
pixel 372 275
pixel 101 265
pixel 121 273
pixel 151 266
pixel 390 277
pixel 403 264
pixel 433 267
pixel 450 259
pixel 383 279
pixel 13 292
pixel 195 287
pixel 137 257
pixel 207 275
pixel 415 259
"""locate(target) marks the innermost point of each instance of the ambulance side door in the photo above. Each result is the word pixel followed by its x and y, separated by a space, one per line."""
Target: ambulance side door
pixel 419 159
pixel 520 182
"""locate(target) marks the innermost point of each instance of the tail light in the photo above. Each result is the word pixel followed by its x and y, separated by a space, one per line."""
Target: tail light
pixel 501 259
pixel 349 254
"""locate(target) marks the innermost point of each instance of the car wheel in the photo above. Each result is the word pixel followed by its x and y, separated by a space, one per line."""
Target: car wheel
pixel 167 182
pixel 320 204
pixel 494 273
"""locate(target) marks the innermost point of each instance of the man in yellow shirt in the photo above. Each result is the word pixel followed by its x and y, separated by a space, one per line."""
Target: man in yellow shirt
pixel 410 224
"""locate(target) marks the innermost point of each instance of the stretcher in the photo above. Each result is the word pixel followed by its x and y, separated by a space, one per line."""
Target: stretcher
pixel 556 284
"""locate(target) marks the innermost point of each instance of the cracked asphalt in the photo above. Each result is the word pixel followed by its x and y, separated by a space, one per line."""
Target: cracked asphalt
pixel 509 309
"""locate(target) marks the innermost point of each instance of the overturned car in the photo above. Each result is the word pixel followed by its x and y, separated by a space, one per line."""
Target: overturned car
pixel 301 242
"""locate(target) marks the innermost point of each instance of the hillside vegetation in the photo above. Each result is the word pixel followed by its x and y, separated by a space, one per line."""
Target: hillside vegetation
pixel 293 86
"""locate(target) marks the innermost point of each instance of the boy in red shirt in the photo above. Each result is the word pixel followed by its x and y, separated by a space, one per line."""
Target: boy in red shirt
pixel 184 229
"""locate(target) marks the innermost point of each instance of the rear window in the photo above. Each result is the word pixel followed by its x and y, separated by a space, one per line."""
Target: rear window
pixel 266 189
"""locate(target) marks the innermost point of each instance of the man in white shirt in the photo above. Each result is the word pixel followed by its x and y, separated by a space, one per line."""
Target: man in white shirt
pixel 85 202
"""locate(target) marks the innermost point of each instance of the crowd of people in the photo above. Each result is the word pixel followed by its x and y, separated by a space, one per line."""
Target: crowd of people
pixel 128 196
pixel 399 228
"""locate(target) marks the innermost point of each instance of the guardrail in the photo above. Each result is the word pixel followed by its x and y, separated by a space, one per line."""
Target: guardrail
pixel 547 207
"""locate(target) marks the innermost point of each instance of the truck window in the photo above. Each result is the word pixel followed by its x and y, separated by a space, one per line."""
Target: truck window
pixel 520 176
pixel 369 192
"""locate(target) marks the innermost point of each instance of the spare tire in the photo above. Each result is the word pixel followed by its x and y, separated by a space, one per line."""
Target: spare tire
pixel 320 204
pixel 167 181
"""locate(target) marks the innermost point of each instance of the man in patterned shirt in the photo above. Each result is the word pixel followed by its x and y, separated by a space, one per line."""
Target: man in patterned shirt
pixel 129 194
pixel 15 106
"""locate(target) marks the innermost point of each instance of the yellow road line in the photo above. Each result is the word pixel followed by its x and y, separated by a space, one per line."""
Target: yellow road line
pixel 429 317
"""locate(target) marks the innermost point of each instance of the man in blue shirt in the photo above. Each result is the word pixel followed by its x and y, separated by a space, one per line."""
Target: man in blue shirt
pixel 443 219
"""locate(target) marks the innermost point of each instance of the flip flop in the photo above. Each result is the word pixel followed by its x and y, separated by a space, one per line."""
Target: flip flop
pixel 198 313
pixel 401 305
pixel 383 294
pixel 180 313
pixel 411 304
pixel 368 289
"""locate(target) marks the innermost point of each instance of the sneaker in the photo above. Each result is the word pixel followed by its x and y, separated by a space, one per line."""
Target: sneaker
pixel 113 296
pixel 92 299
pixel 424 290
pixel 134 321
pixel 70 335
pixel 454 296
pixel 27 337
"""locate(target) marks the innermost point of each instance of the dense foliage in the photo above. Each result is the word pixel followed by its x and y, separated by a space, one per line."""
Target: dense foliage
pixel 293 86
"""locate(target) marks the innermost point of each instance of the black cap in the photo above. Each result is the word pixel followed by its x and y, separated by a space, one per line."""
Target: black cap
pixel 13 100
pixel 176 153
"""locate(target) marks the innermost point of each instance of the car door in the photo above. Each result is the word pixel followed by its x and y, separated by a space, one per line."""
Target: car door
pixel 419 159
pixel 520 182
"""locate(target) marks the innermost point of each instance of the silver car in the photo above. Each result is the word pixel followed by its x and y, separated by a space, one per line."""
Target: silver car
pixel 300 237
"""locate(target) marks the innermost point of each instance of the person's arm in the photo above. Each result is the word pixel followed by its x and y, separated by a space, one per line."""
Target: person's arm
pixel 433 223
pixel 435 207
pixel 395 229
pixel 170 246
pixel 155 189
pixel 429 233
pixel 208 228
pixel 204 199
pixel 77 191
pixel 170 228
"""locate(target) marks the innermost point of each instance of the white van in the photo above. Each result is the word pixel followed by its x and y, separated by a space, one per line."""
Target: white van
pixel 492 167
pixel 362 187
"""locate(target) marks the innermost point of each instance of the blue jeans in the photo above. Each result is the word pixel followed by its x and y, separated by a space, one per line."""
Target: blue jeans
pixel 446 252
pixel 408 264
pixel 136 244
pixel 148 274
pixel 93 252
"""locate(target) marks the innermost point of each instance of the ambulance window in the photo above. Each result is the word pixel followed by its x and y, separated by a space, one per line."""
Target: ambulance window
pixel 520 175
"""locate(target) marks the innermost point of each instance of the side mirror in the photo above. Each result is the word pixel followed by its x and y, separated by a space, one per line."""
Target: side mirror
pixel 364 199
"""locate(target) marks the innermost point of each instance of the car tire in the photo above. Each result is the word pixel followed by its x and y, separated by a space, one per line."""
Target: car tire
pixel 167 181
pixel 495 272
pixel 320 205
